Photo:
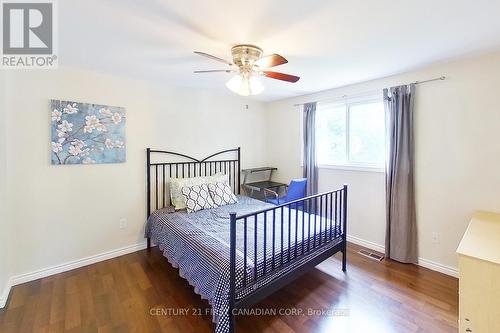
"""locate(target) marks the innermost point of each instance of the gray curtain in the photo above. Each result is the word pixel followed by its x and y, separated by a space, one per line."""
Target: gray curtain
pixel 401 227
pixel 310 159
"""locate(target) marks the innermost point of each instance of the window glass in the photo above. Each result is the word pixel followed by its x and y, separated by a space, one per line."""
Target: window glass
pixel 367 133
pixel 351 133
pixel 331 136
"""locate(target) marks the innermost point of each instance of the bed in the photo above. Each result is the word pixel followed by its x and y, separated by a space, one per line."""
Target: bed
pixel 235 255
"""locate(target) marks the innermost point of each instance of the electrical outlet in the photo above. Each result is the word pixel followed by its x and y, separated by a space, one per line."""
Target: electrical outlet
pixel 435 237
pixel 123 223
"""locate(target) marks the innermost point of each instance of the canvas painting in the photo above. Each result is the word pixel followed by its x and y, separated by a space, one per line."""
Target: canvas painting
pixel 84 133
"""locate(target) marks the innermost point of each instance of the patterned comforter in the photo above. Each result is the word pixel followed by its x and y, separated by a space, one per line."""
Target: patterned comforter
pixel 198 245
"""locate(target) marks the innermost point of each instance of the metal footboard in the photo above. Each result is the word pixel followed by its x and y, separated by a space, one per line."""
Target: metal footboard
pixel 276 260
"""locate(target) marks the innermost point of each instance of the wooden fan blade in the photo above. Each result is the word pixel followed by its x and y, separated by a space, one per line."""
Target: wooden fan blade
pixel 215 71
pixel 271 61
pixel 281 76
pixel 214 58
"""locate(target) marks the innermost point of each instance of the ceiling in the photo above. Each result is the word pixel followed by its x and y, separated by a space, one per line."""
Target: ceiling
pixel 329 43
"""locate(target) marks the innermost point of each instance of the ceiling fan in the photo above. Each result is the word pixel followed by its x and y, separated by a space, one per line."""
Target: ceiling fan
pixel 249 64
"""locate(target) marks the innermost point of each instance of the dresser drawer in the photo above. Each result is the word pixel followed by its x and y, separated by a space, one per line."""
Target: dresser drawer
pixel 479 296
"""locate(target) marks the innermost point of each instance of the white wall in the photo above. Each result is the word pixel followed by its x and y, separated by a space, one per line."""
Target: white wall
pixel 366 188
pixel 64 213
pixel 5 237
pixel 457 153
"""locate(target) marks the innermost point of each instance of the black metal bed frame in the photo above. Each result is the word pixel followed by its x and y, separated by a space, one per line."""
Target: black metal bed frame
pixel 188 167
pixel 328 209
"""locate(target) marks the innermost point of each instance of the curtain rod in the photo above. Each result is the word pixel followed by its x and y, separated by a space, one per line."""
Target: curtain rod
pixel 441 78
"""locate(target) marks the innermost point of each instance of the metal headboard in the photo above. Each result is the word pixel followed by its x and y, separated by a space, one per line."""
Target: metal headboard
pixel 158 172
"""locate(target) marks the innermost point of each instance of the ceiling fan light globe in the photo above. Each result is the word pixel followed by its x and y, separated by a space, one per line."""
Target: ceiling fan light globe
pixel 244 85
pixel 256 86
pixel 237 85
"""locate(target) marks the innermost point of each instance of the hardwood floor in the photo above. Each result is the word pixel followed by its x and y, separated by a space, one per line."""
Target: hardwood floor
pixel 141 292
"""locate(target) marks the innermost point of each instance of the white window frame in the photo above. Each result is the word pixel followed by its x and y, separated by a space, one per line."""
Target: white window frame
pixel 349 165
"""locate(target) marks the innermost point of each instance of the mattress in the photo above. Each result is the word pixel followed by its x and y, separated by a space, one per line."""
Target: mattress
pixel 198 245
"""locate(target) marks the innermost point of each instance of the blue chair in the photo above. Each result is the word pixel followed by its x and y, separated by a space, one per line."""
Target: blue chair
pixel 296 190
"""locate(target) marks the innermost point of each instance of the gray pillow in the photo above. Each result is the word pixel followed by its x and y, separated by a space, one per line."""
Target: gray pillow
pixel 197 197
pixel 222 194
pixel 176 185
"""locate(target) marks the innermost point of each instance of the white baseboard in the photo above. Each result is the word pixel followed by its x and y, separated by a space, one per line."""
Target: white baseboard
pixel 44 272
pixel 5 295
pixel 432 265
pixel 365 243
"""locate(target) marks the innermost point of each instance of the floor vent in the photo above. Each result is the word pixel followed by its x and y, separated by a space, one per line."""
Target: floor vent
pixel 371 255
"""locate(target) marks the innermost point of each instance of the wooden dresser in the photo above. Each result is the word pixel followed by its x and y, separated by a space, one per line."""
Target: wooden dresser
pixel 479 275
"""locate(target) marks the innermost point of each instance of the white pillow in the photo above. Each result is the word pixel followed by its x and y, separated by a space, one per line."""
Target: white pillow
pixel 197 197
pixel 176 185
pixel 222 194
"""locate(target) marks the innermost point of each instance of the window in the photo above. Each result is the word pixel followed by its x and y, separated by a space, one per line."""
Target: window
pixel 351 134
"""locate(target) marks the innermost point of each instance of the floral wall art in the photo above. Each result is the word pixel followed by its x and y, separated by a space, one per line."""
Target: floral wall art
pixel 84 133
